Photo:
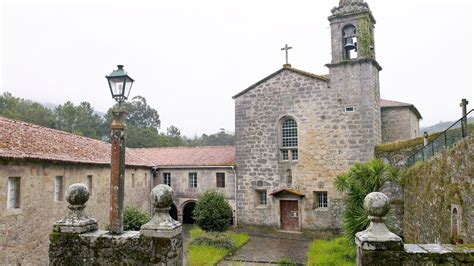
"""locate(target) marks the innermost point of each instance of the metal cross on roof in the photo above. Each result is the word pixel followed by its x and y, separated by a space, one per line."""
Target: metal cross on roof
pixel 286 48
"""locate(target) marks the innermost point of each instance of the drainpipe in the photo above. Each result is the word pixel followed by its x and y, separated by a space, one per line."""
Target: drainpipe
pixel 152 179
pixel 235 193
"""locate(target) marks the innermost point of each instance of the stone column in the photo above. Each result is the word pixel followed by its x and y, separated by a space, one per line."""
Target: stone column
pixel 76 221
pixel 376 238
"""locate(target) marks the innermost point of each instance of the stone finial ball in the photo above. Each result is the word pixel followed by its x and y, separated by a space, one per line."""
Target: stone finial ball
pixel 377 204
pixel 77 194
pixel 162 196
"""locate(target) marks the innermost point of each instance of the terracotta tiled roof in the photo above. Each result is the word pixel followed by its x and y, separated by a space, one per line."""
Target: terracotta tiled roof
pixel 392 104
pixel 189 156
pixel 20 140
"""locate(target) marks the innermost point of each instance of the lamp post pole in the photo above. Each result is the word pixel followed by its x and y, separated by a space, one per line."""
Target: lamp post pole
pixel 117 172
pixel 120 85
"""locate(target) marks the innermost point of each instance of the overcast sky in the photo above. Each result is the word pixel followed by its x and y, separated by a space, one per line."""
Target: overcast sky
pixel 188 58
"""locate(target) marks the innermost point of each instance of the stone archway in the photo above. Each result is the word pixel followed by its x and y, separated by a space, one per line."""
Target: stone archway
pixel 174 212
pixel 188 212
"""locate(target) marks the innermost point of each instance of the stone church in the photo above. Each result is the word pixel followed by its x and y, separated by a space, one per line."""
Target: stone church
pixel 296 131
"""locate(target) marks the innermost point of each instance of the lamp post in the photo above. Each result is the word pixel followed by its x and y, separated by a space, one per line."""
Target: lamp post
pixel 120 85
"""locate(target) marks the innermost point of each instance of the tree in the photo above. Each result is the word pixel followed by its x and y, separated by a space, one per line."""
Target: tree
pixel 359 181
pixel 217 139
pixel 80 120
pixel 212 212
pixel 25 110
pixel 140 114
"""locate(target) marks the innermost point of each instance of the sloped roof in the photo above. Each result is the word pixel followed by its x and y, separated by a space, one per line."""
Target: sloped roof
pixel 20 140
pixel 285 67
pixel 189 156
pixel 395 104
pixel 287 190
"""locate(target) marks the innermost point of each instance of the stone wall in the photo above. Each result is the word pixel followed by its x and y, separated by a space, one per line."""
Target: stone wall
pixel 24 231
pixel 206 180
pixel 100 248
pixel 438 193
pixel 399 123
pixel 397 153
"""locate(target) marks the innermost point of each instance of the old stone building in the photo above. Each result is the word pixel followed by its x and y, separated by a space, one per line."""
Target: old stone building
pixel 38 164
pixel 399 121
pixel 192 171
pixel 296 131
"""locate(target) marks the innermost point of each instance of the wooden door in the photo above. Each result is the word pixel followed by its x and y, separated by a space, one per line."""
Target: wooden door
pixel 289 215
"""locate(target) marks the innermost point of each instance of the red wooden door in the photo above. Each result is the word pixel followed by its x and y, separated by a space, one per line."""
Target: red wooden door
pixel 289 215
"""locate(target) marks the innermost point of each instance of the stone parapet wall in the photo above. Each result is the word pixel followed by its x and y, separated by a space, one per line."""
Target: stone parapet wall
pixel 412 254
pixel 439 199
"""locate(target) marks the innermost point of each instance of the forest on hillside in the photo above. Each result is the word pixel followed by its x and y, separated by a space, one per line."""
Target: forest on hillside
pixel 143 122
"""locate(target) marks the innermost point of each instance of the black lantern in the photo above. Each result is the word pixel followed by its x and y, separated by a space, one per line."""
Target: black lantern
pixel 120 84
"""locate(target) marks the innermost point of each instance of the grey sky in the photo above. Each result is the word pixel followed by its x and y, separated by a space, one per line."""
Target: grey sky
pixel 189 57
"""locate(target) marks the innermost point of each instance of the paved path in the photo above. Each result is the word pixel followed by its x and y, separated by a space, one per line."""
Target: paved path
pixel 268 248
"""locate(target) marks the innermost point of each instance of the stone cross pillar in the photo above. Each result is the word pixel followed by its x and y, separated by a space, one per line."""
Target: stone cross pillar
pixel 376 237
pixel 76 221
pixel 465 128
pixel 117 172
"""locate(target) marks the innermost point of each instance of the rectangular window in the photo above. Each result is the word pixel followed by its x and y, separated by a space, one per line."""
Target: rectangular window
pixel 220 179
pixel 89 184
pixel 167 179
pixel 193 180
pixel 155 179
pixel 294 155
pixel 146 180
pixel 133 180
pixel 321 200
pixel 262 197
pixel 13 196
pixel 284 155
pixel 349 109
pixel 58 188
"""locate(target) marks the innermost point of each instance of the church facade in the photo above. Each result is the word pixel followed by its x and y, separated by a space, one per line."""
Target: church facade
pixel 296 131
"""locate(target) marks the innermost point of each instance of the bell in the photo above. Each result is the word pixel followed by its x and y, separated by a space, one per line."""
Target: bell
pixel 350 44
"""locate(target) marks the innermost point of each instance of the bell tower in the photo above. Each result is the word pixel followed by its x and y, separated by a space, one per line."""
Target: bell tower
pixel 354 75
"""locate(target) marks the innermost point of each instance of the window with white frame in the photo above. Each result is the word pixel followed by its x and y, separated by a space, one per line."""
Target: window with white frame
pixel 320 199
pixel 289 140
pixel 192 180
pixel 13 196
pixel 167 179
pixel 58 188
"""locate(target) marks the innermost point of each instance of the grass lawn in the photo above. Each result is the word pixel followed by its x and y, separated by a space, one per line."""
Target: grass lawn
pixel 335 252
pixel 201 255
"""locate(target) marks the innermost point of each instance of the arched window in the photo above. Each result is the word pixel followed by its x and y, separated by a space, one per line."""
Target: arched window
pixel 289 140
pixel 349 42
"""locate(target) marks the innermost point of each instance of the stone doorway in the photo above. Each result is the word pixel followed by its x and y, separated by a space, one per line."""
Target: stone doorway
pixel 289 215
pixel 188 212
pixel 174 212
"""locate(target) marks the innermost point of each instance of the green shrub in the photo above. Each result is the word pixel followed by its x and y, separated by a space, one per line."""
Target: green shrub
pixel 134 218
pixel 214 239
pixel 337 252
pixel 212 212
pixel 359 181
